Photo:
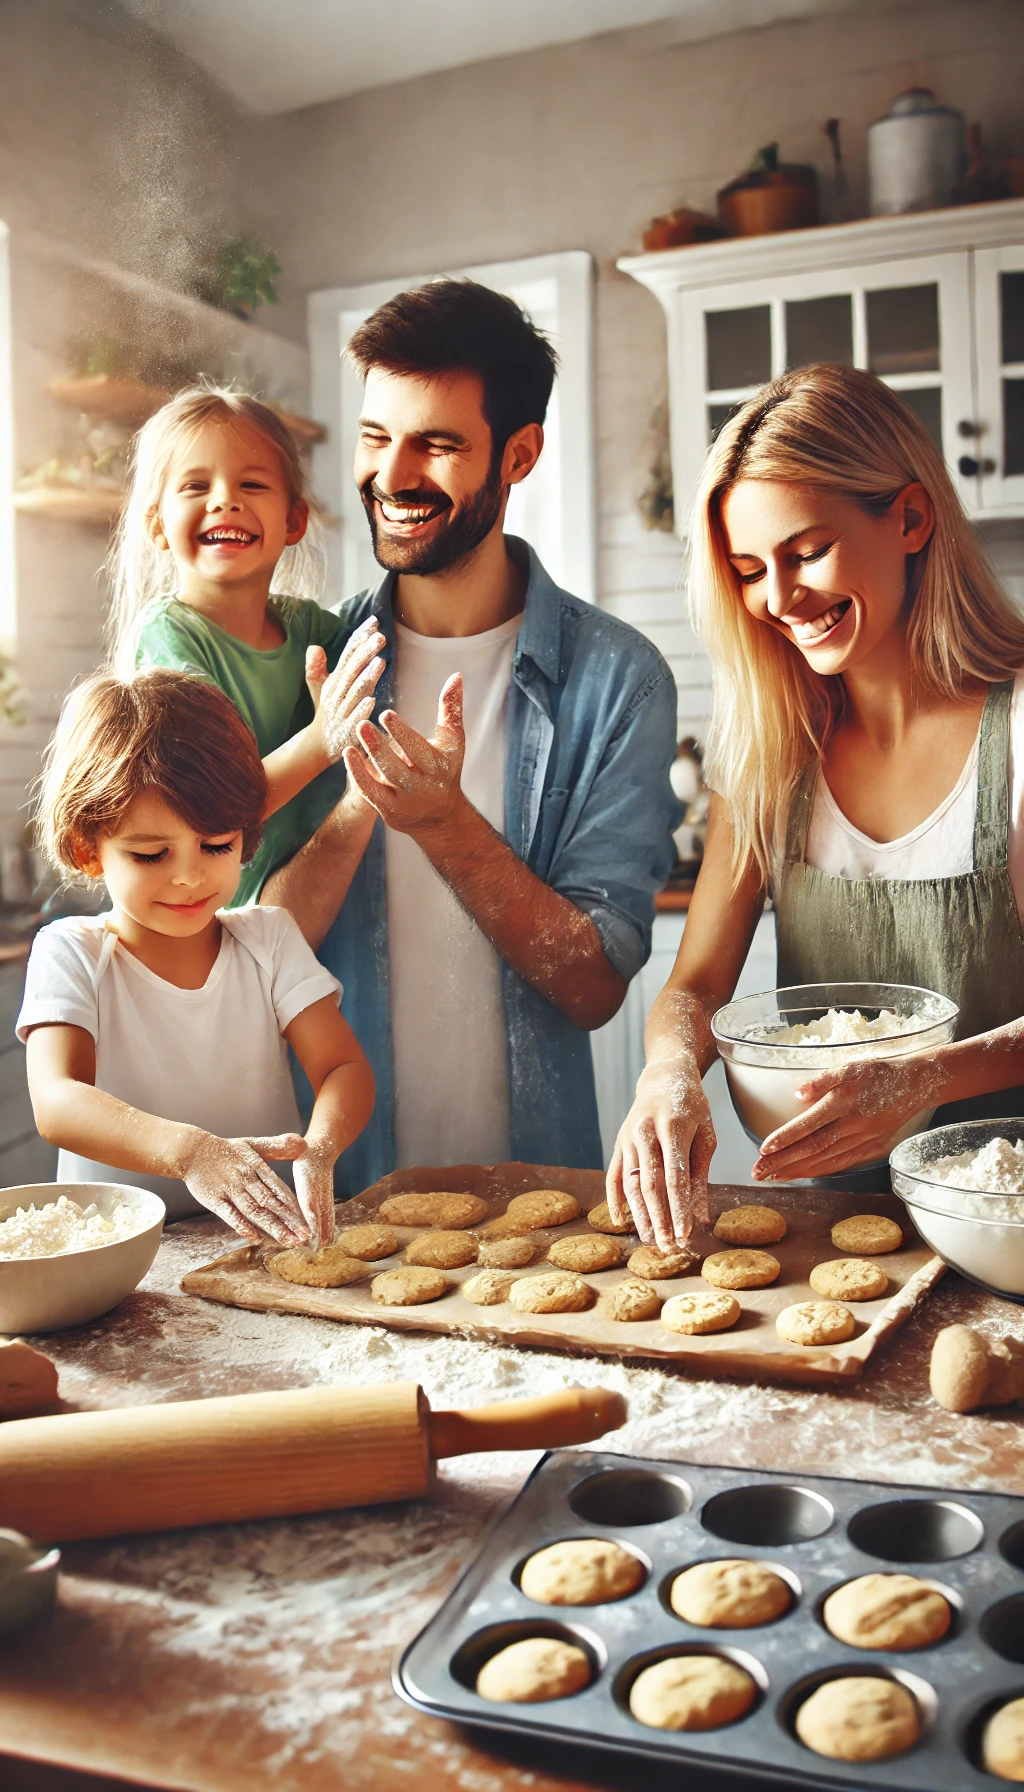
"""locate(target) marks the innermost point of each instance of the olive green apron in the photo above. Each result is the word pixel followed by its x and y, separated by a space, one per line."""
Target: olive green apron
pixel 958 935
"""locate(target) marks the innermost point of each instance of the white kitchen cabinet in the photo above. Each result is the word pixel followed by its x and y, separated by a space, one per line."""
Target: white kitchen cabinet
pixel 932 303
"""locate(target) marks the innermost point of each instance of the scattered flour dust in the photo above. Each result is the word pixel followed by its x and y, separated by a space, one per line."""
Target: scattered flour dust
pixel 61 1226
pixel 994 1169
pixel 840 1026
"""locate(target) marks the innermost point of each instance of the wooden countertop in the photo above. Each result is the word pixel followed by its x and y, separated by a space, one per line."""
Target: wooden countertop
pixel 255 1657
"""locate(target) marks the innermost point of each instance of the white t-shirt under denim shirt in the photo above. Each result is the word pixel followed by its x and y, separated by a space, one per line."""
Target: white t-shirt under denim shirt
pixel 212 1057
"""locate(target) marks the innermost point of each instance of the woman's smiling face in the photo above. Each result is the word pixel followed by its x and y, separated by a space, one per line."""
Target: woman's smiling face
pixel 825 573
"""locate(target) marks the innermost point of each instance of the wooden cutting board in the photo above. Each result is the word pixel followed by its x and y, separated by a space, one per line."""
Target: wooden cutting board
pixel 752 1347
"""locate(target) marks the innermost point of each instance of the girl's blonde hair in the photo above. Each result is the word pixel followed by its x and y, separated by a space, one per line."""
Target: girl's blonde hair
pixel 137 570
pixel 841 431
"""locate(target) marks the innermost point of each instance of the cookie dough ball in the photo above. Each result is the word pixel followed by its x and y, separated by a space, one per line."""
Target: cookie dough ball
pixel 658 1266
pixel 449 1210
pixel 543 1207
pixel 859 1718
pixel 730 1595
pixel 442 1250
pixel 886 1611
pixel 508 1253
pixel 581 1571
pixel 534 1669
pixel 633 1301
pixel 407 1287
pixel 691 1692
pixel 600 1218
pixel 368 1242
pixel 1002 1742
pixel 868 1234
pixel 740 1269
pixel 694 1314
pixel 585 1255
pixel 556 1291
pixel 329 1267
pixel 507 1226
pixel 750 1225
pixel 488 1288
pixel 849 1278
pixel 815 1322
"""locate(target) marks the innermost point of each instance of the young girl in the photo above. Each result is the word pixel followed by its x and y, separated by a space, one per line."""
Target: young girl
pixel 212 569
pixel 867 758
pixel 157 1033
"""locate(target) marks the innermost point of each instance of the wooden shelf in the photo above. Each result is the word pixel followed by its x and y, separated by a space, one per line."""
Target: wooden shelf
pixel 131 401
pixel 71 503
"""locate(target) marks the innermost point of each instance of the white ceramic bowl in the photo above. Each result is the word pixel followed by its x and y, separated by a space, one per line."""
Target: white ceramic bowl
pixel 986 1247
pixel 763 1078
pixel 49 1294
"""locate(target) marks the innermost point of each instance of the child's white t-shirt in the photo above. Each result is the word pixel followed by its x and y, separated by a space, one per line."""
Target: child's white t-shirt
pixel 212 1057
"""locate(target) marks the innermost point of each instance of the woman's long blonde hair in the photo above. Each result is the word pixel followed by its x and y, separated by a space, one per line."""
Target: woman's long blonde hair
pixel 842 431
pixel 137 570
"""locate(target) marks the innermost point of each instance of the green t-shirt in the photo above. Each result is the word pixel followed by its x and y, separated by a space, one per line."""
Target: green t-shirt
pixel 268 688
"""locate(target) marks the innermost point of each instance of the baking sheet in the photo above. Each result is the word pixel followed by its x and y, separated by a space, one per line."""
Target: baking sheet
pixel 752 1347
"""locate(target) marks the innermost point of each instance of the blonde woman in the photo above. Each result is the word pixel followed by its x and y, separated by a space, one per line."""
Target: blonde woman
pixel 867 758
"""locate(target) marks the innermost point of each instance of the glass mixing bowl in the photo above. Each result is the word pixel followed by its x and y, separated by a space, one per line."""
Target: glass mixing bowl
pixel 978 1233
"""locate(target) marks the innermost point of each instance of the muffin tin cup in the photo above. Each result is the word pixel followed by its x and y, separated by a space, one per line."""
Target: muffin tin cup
pixel 820 1532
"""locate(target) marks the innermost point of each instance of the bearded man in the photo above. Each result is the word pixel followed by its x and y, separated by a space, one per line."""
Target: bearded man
pixel 485 890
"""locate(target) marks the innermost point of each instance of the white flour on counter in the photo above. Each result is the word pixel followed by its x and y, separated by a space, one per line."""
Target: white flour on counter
pixel 994 1169
pixel 840 1026
pixel 61 1226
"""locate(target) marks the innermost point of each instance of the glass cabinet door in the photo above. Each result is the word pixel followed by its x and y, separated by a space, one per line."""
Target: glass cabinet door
pixel 997 444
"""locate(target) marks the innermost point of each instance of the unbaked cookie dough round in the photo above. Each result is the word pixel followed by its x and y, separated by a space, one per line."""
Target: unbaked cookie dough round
pixel 442 1250
pixel 601 1219
pixel 508 1253
pixel 691 1692
pixel 740 1269
pixel 730 1594
pixel 329 1267
pixel 868 1234
pixel 368 1242
pixel 408 1287
pixel 750 1225
pixel 815 1322
pixel 660 1266
pixel 488 1288
pixel 507 1226
pixel 849 1278
pixel 886 1611
pixel 448 1210
pixel 1002 1742
pixel 543 1207
pixel 695 1314
pixel 586 1254
pixel 535 1668
pixel 581 1571
pixel 632 1301
pixel 554 1291
pixel 859 1718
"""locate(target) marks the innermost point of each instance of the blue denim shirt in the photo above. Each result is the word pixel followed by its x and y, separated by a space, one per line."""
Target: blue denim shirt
pixel 591 733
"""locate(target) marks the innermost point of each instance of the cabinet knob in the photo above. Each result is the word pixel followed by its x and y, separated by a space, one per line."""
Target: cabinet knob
pixel 969 468
pixel 967 427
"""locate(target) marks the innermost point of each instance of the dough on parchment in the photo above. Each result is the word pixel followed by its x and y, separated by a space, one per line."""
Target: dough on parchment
pixel 694 1314
pixel 543 1207
pixel 730 1594
pixel 660 1266
pixel 581 1571
pixel 1002 1742
pixel 488 1288
pixel 508 1253
pixel 849 1278
pixel 554 1291
pixel 368 1242
pixel 859 1718
pixel 442 1250
pixel 886 1611
pixel 535 1668
pixel 329 1267
pixel 600 1218
pixel 750 1224
pixel 691 1692
pixel 407 1287
pixel 586 1254
pixel 632 1301
pixel 868 1234
pixel 449 1210
pixel 815 1322
pixel 507 1226
pixel 740 1269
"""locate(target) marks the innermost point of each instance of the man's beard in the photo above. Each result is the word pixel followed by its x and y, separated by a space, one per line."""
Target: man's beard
pixel 456 533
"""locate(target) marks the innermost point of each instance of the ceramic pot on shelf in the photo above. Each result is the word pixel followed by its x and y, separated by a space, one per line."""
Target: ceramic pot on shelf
pixel 769 197
pixel 917 155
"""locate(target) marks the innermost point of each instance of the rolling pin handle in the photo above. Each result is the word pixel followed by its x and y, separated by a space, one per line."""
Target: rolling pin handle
pixel 574 1416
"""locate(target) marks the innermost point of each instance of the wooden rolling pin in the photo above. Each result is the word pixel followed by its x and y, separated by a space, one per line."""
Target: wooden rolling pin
pixel 968 1370
pixel 155 1468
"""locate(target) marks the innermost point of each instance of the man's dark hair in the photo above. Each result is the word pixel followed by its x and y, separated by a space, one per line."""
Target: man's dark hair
pixel 459 326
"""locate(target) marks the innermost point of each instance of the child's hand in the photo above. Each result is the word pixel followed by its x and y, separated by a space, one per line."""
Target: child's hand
pixel 314 1186
pixel 345 698
pixel 233 1178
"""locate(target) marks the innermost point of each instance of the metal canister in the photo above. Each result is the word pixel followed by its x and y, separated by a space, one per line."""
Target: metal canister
pixel 916 154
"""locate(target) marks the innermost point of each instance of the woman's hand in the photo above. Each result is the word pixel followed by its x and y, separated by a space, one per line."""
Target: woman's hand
pixel 314 1187
pixel 233 1178
pixel 344 698
pixel 659 1168
pixel 852 1116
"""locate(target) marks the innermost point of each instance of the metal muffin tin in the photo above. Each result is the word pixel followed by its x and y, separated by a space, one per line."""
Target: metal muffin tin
pixel 817 1532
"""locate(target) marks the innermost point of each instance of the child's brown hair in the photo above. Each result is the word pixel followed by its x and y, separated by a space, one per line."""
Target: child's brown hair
pixel 163 732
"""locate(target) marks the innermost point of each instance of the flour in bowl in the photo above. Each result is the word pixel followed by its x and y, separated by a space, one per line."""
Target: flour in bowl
pixel 994 1169
pixel 840 1026
pixel 61 1226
